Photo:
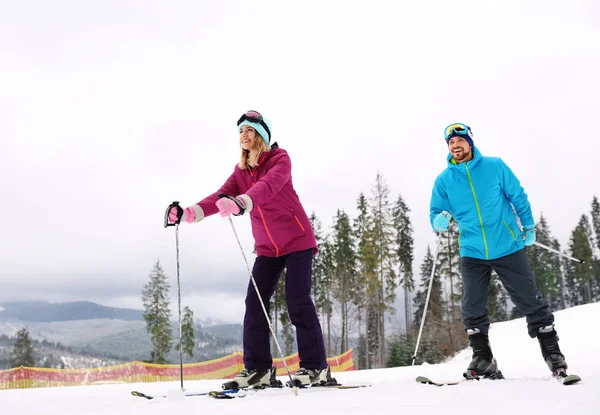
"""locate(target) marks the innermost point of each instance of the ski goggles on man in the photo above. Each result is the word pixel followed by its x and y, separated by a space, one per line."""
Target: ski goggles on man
pixel 255 117
pixel 457 129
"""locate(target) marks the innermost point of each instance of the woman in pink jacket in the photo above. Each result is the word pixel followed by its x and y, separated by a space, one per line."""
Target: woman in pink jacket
pixel 261 183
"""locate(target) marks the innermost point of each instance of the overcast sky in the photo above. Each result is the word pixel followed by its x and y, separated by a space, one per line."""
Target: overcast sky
pixel 110 110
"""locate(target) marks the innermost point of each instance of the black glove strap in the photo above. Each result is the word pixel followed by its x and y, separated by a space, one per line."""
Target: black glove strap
pixel 237 202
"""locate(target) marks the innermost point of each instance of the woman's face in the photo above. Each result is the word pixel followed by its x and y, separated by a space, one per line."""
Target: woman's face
pixel 247 137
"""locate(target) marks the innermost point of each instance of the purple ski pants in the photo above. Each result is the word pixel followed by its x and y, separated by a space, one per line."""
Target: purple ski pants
pixel 301 309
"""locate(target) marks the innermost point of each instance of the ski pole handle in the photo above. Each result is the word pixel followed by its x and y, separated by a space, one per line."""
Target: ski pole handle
pixel 179 214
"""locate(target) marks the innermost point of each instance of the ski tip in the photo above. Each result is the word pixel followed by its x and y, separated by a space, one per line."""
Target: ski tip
pixel 570 380
pixel 220 395
pixel 426 381
pixel 562 377
pixel 350 386
pixel 141 395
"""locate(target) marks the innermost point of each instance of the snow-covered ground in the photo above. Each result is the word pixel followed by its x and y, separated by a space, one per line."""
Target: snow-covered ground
pixel 528 388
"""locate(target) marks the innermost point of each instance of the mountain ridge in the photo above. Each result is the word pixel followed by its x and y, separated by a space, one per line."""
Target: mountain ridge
pixel 46 311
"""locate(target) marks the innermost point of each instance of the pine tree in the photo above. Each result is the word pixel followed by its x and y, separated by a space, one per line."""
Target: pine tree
pixel 155 298
pixel 581 285
pixel 449 269
pixel 544 263
pixel 394 358
pixel 346 278
pixel 572 291
pixel 405 254
pixel 381 231
pixel 188 338
pixel 322 279
pixel 430 347
pixel 596 273
pixel 595 213
pixel 367 283
pixel 401 349
pixel 22 353
pixel 559 302
pixel 360 362
pixel 435 308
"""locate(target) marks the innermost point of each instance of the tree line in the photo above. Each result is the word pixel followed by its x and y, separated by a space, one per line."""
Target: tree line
pixel 22 350
pixel 363 262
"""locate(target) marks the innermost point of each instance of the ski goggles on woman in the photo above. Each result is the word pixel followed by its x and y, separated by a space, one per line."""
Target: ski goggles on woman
pixel 255 117
pixel 457 129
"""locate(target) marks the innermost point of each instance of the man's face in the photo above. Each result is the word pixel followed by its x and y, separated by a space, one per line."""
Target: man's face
pixel 460 149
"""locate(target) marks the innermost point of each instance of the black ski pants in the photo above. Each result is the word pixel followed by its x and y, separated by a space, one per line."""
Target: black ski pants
pixel 517 277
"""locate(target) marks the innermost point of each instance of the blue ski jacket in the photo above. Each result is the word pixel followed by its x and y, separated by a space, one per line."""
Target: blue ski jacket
pixel 480 195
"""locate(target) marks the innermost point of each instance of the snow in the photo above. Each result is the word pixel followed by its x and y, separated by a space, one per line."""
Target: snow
pixel 528 387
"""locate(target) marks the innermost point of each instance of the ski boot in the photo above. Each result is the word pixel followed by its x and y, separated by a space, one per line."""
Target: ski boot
pixel 255 379
pixel 312 377
pixel 483 363
pixel 554 358
pixel 550 351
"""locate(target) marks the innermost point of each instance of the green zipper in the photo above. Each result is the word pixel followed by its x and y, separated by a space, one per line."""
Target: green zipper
pixel 478 211
pixel 511 231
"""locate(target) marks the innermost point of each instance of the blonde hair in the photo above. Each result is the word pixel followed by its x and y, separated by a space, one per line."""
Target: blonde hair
pixel 250 158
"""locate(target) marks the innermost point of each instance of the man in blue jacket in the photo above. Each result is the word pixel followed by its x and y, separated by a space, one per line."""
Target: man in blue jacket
pixel 480 193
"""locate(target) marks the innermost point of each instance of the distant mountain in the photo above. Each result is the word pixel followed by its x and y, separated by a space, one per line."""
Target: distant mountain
pixel 55 355
pixel 87 342
pixel 79 334
pixel 43 311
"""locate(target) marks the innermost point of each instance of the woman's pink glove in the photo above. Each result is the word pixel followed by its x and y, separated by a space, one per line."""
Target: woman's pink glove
pixel 188 215
pixel 228 207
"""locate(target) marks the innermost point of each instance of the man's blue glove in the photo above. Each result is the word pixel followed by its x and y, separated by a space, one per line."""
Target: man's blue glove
pixel 528 235
pixel 441 222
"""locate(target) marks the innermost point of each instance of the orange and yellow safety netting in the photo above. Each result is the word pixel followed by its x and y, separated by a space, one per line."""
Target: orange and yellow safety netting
pixel 223 368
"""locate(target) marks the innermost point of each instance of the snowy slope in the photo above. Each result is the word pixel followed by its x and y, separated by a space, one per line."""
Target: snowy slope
pixel 528 388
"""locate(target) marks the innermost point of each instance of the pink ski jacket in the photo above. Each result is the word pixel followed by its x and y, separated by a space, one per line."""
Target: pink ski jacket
pixel 279 223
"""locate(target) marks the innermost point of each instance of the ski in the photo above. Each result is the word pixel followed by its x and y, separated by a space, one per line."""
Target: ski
pixel 226 394
pixel 245 392
pixel 560 376
pixel 564 379
pixel 240 393
pixel 467 376
pixel 143 395
pixel 426 381
pixel 334 387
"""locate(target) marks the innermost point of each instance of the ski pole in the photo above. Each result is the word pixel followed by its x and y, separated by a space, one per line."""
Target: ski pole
pixel 581 261
pixel 437 251
pixel 221 195
pixel 176 224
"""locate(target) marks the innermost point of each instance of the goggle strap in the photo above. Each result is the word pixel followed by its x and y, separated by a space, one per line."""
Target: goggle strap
pixel 255 120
